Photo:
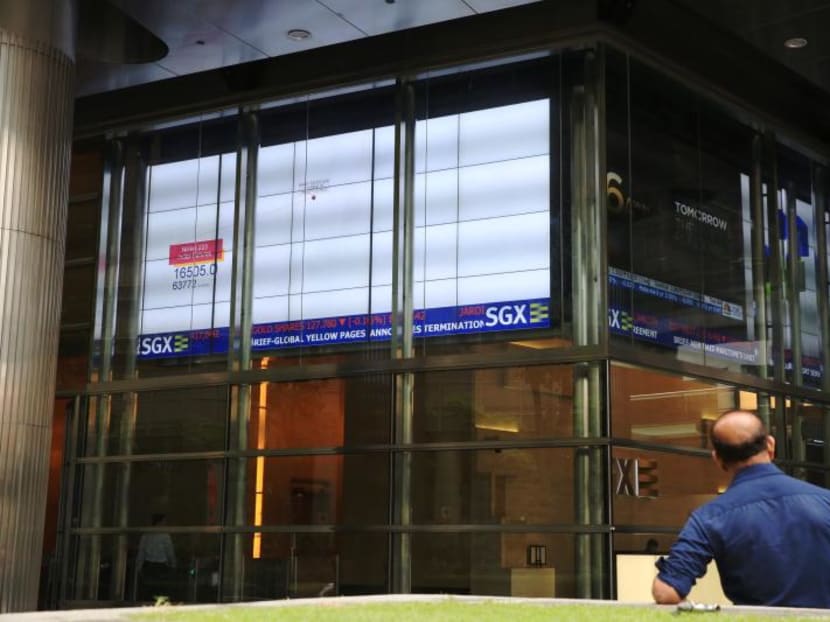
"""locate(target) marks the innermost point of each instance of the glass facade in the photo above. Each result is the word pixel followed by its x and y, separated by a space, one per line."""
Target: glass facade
pixel 464 332
pixel 680 224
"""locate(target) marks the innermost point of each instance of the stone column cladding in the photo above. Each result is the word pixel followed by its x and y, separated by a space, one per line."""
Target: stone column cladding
pixel 36 97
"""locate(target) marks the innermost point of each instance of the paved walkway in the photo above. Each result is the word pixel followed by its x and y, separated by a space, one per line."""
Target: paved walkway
pixel 124 613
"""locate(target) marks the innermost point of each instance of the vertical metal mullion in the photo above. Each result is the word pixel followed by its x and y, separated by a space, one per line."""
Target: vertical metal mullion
pixel 761 326
pixel 239 351
pixel 111 249
pixel 580 424
pixel 756 198
pixel 607 487
pixel 792 280
pixel 598 473
pixel 402 342
pixel 820 212
pixel 133 244
pixel 224 510
pixel 794 416
pixel 775 276
pixel 67 509
pixel 589 325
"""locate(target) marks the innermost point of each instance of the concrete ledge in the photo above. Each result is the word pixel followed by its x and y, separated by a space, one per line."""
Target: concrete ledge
pixel 124 613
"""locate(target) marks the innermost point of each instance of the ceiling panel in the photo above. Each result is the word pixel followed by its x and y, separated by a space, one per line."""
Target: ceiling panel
pixel 264 24
pixel 484 6
pixel 209 34
pixel 378 17
pixel 97 77
pixel 208 51
pixel 767 24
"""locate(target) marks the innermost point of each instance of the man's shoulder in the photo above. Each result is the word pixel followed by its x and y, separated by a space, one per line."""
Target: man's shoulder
pixel 800 487
pixel 772 486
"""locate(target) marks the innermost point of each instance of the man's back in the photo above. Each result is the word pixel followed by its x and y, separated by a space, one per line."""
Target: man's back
pixel 770 536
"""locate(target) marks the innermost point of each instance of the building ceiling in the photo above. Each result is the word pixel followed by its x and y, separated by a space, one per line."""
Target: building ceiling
pixel 190 55
pixel 126 43
pixel 769 24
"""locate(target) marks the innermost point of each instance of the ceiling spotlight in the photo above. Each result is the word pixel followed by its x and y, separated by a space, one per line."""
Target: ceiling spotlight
pixel 298 34
pixel 795 43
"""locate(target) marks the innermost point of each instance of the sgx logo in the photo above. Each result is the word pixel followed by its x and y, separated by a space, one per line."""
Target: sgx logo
pixel 511 315
pixel 619 320
pixel 538 312
pixel 170 344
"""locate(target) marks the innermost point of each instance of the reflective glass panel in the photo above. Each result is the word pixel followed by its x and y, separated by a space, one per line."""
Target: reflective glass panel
pixel 797 244
pixel 680 224
pixel 136 494
pixel 515 403
pixel 808 425
pixel 320 413
pixel 151 422
pixel 312 490
pixel 191 577
pixel 497 564
pixel 486 220
pixel 305 565
pixel 322 255
pixel 174 249
pixel 655 489
pixel 668 409
pixel 493 486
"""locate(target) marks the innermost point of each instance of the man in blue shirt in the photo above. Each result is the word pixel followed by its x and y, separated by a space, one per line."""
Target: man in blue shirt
pixel 768 533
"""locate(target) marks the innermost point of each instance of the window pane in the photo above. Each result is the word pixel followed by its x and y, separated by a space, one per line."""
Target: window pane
pixel 494 404
pixel 313 490
pixel 809 440
pixel 323 217
pixel 304 565
pixel 680 224
pixel 73 359
pixel 180 420
pixel 653 407
pixel 496 564
pixel 797 228
pixel 78 283
pixel 483 175
pixel 495 486
pixel 185 492
pixel 320 413
pixel 193 578
pixel 175 249
pixel 654 489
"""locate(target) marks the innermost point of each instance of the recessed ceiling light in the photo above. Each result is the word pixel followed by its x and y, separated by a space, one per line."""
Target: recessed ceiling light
pixel 298 34
pixel 795 43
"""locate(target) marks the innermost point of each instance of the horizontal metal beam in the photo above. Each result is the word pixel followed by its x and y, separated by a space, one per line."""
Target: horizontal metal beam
pixel 358 367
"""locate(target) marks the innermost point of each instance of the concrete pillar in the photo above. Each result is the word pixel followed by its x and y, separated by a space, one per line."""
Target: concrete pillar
pixel 36 95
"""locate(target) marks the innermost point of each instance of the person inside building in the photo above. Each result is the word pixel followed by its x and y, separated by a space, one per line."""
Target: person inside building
pixel 769 533
pixel 155 562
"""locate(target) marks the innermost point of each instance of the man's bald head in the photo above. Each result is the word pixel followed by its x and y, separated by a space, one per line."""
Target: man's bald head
pixel 738 436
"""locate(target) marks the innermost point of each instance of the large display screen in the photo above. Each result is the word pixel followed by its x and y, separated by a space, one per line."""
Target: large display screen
pixel 324 237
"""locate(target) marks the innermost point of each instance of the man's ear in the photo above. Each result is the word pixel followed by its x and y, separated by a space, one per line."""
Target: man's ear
pixel 771 446
pixel 717 460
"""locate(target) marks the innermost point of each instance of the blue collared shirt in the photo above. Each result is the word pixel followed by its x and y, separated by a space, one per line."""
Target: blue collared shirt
pixel 770 537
